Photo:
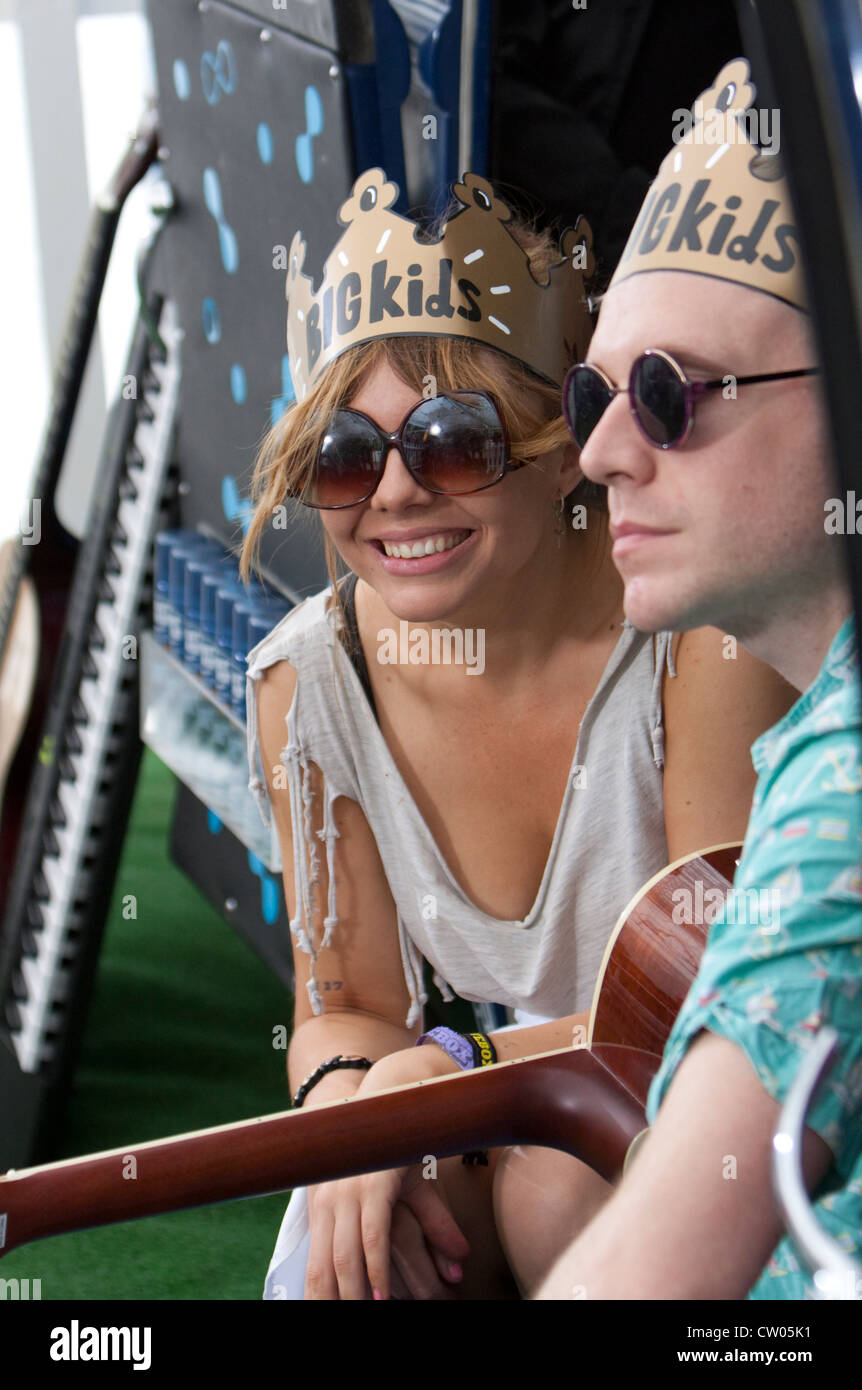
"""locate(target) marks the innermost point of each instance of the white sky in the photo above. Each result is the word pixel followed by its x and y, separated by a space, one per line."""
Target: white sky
pixel 115 67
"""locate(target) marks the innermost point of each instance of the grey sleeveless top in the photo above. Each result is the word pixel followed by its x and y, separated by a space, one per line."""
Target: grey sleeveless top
pixel 609 839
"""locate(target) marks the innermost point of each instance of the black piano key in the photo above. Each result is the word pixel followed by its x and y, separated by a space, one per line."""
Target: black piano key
pixel 96 638
pixel 88 667
pixel 50 843
pixel 128 491
pixel 111 563
pixel 29 944
pixel 71 744
pixel 17 984
pixel 118 534
pixel 106 590
pixel 67 769
pixel 150 382
pixel 145 410
pixel 13 1015
pixel 35 918
pixel 134 457
pixel 78 713
pixel 41 891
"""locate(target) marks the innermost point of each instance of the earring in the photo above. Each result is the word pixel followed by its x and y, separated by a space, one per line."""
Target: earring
pixel 559 520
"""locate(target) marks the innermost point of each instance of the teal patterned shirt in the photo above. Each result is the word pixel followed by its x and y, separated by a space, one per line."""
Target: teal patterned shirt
pixel 769 979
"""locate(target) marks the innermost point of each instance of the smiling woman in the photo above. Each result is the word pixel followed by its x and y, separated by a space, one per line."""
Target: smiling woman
pixel 492 827
pixel 525 409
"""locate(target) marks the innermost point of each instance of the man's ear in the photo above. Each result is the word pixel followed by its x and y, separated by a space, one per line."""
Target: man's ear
pixel 570 472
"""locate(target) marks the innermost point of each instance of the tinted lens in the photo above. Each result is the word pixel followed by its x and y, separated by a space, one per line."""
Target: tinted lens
pixel 659 397
pixel 585 400
pixel 348 462
pixel 456 443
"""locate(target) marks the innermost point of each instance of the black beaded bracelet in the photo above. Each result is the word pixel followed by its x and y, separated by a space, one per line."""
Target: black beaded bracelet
pixel 334 1064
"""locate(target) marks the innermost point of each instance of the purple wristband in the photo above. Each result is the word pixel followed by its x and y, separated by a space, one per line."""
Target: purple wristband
pixel 459 1048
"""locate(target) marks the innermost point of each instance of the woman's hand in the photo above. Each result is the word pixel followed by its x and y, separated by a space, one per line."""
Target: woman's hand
pixel 384 1231
pixel 390 1231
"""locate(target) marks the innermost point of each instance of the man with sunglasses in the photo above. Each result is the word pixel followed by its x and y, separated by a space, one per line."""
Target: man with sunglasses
pixel 716 502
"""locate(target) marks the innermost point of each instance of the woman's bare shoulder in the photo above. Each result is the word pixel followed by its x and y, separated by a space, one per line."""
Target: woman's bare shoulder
pixel 275 692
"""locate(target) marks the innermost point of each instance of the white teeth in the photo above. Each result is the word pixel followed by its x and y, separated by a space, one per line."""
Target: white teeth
pixel 429 546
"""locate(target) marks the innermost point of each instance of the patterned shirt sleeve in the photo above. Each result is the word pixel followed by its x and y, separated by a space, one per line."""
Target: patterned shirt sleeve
pixel 785 954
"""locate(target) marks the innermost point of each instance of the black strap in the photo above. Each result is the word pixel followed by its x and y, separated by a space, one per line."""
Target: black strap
pixel 350 640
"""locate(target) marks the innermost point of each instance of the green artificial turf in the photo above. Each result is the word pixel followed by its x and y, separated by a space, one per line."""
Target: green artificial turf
pixel 178 1037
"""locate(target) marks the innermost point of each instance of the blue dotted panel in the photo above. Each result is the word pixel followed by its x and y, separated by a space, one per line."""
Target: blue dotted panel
pixel 305 142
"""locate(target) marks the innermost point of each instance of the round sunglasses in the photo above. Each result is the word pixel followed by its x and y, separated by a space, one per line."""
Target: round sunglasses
pixel 662 398
pixel 453 443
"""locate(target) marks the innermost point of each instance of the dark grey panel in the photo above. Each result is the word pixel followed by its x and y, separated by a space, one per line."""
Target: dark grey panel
pixel 257 133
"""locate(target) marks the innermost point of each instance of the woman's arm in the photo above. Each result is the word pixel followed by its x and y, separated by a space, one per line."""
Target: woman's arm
pixel 719 702
pixel 360 975
pixel 430 1061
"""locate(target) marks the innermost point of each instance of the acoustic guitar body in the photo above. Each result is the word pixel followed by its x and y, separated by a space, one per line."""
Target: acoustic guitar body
pixel 650 961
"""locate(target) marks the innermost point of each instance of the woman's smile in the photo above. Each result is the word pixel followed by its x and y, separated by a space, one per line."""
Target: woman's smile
pixel 422 551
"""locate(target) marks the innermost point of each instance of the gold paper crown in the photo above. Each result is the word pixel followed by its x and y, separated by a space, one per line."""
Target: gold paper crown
pixel 383 279
pixel 718 206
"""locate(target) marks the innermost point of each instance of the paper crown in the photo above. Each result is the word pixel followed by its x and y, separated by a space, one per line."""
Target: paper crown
pixel 384 278
pixel 718 206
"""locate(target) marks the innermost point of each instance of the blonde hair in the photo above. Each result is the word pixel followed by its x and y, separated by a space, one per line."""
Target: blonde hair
pixel 529 406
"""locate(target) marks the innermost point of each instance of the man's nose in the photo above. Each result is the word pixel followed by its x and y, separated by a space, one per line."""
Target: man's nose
pixel 616 448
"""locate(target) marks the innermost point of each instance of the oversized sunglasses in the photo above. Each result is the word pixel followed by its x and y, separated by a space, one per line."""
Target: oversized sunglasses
pixel 661 396
pixel 453 443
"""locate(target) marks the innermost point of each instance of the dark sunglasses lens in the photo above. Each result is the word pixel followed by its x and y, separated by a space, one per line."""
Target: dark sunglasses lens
pixel 348 462
pixel 456 443
pixel 585 399
pixel 659 397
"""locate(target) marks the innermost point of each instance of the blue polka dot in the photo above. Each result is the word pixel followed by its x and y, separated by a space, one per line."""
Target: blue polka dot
pixel 236 508
pixel 270 900
pixel 211 321
pixel 264 142
pixel 280 404
pixel 270 897
pixel 182 81
pixel 238 383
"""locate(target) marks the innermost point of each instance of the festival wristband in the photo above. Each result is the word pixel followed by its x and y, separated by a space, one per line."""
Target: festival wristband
pixel 469 1050
pixel 455 1045
pixel 334 1064
pixel 484 1051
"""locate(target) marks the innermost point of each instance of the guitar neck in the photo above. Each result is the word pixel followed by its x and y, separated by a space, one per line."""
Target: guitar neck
pixel 587 1101
pixel 566 1100
pixel 73 354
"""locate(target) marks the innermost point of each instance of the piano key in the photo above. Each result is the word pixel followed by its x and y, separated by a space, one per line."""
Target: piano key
pixel 71 744
pixel 50 844
pixel 67 769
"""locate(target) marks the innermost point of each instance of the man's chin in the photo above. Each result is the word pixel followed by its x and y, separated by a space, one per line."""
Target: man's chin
pixel 651 608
